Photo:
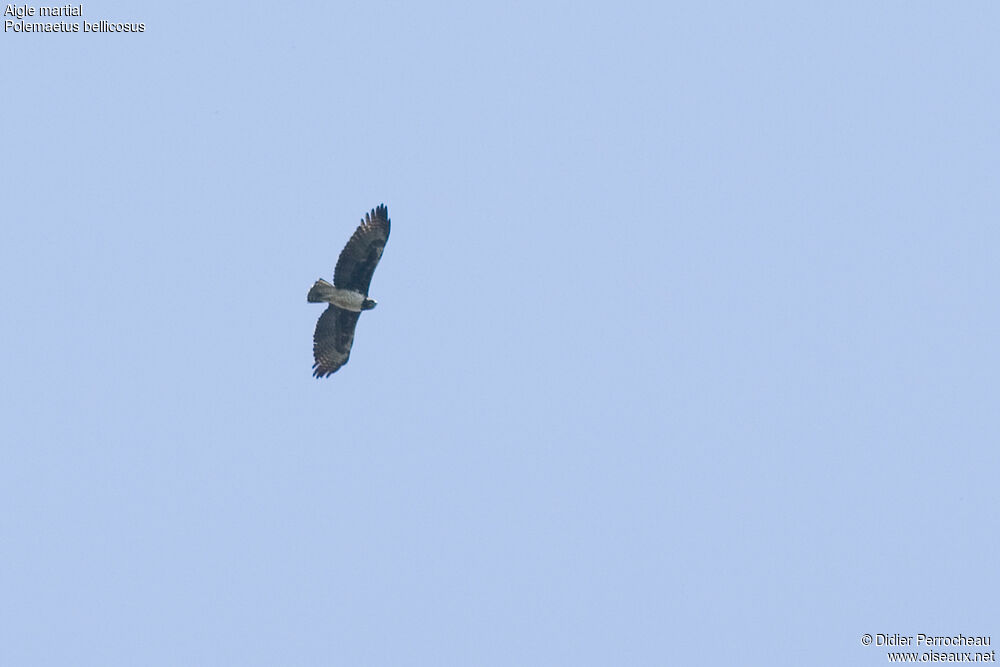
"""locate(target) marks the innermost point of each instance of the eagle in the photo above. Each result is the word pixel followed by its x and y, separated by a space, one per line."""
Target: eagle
pixel 348 295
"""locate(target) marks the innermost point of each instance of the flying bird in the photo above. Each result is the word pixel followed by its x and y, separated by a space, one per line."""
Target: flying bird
pixel 348 295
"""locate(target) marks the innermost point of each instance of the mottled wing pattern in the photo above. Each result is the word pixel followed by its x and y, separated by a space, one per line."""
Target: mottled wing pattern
pixel 333 339
pixel 361 254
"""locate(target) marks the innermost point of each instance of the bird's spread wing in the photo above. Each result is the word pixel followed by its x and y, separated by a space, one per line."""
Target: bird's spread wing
pixel 333 339
pixel 360 256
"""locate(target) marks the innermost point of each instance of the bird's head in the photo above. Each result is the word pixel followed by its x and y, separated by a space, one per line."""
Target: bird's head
pixel 368 304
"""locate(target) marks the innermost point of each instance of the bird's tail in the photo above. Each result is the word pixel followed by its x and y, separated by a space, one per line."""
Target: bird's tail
pixel 321 291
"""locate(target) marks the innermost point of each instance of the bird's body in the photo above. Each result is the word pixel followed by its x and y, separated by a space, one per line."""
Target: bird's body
pixel 342 298
pixel 348 295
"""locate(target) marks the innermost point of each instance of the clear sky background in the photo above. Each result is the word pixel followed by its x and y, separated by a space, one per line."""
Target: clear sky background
pixel 686 349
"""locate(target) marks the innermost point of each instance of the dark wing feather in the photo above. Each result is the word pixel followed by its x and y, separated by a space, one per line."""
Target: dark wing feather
pixel 360 256
pixel 333 339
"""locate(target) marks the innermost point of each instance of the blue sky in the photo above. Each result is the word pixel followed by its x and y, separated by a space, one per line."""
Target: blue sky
pixel 685 353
